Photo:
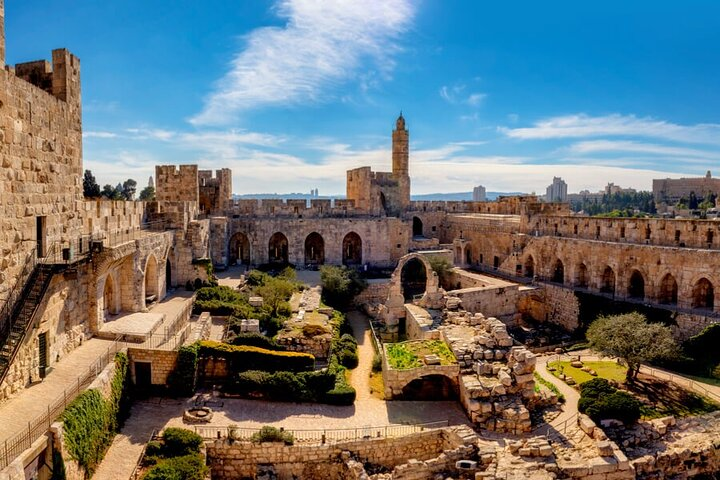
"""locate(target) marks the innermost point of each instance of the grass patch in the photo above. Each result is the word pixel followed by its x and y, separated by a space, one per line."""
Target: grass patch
pixel 406 355
pixel 550 386
pixel 661 399
pixel 377 387
pixel 606 370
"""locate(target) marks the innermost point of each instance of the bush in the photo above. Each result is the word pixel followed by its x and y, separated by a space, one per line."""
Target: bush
pixel 313 330
pixel 340 285
pixel 183 379
pixel 188 467
pixel 245 357
pixel 600 400
pixel 153 448
pixel 256 278
pixel 178 442
pixel 272 434
pixel 702 348
pixel 377 363
pixel 284 386
pixel 254 340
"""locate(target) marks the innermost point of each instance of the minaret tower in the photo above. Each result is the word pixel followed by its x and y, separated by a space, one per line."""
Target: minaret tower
pixel 401 160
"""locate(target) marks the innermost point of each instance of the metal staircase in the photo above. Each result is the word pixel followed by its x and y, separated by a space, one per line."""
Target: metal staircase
pixel 16 316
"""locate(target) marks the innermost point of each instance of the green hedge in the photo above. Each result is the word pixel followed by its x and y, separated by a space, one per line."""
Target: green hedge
pixel 283 386
pixel 91 422
pixel 600 400
pixel 182 381
pixel 188 467
pixel 254 340
pixel 245 357
pixel 175 457
pixel 345 348
pixel 272 434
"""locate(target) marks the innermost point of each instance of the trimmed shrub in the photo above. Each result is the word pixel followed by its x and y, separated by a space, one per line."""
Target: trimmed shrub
pixel 245 357
pixel 340 285
pixel 272 434
pixel 178 442
pixel 254 340
pixel 600 400
pixel 284 386
pixel 377 363
pixel 188 467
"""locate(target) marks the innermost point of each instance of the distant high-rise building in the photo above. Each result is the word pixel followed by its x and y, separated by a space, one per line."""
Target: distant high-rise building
pixel 479 194
pixel 151 184
pixel 556 191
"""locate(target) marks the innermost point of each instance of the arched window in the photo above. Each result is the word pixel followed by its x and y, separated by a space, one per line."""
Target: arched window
pixel 636 286
pixel 278 248
pixel 352 249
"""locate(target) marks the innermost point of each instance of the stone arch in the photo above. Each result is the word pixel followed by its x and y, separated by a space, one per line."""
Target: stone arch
pixel 581 276
pixel 417 227
pixel 352 249
pixel 278 248
pixel 558 273
pixel 152 287
pixel 703 294
pixel 668 292
pixel 529 267
pixel 636 285
pixel 413 279
pixel 239 249
pixel 607 280
pixel 314 249
pixel 110 299
pixel 431 386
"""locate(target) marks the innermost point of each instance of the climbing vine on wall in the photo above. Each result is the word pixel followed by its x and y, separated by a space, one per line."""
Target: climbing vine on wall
pixel 91 421
pixel 182 380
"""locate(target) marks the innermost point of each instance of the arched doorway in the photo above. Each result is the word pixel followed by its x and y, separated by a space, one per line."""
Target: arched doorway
pixel 417 227
pixel 151 279
pixel 278 248
pixel 168 274
pixel 468 255
pixel 430 387
pixel 109 299
pixel 352 249
pixel 558 275
pixel 636 287
pixel 529 269
pixel 581 279
pixel 413 278
pixel 314 249
pixel 607 282
pixel 703 294
pixel 668 290
pixel 239 249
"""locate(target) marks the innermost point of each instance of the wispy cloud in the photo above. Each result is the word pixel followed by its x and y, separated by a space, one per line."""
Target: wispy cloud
pixel 95 134
pixel 595 146
pixel 322 44
pixel 456 94
pixel 582 125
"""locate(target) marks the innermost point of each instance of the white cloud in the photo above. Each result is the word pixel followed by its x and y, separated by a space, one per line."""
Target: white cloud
pixel 475 99
pixel 581 125
pixel 92 134
pixel 456 94
pixel 595 146
pixel 321 45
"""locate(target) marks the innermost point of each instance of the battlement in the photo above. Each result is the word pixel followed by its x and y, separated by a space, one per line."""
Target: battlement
pixel 176 184
pixel 293 208
pixel 61 78
pixel 214 191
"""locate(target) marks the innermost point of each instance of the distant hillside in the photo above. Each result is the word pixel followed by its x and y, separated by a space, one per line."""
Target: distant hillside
pixel 437 197
pixel 458 196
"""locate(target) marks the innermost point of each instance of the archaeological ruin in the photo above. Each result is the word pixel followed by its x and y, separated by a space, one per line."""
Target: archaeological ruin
pixel 83 280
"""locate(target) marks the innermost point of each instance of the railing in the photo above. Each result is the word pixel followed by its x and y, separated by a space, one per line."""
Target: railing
pixel 322 436
pixel 15 294
pixel 21 441
pixel 135 475
pixel 559 433
pixel 118 237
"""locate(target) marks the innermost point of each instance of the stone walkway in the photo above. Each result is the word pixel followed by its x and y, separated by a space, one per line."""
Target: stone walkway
pixel 33 402
pixel 565 422
pixel 360 376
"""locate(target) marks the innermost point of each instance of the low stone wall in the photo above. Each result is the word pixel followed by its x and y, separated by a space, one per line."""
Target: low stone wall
pixel 417 322
pixel 550 303
pixel 231 460
pixel 491 301
pixel 394 380
pixel 162 363
pixel 689 325
pixel 375 294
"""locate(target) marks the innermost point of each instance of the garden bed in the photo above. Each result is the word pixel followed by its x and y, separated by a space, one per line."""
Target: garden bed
pixel 406 355
pixel 607 370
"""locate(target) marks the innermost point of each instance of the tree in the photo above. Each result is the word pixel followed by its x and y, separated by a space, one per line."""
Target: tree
pixel 275 292
pixel 442 267
pixel 631 338
pixel 90 187
pixel 111 193
pixel 147 194
pixel 128 189
pixel 340 285
pixel 692 201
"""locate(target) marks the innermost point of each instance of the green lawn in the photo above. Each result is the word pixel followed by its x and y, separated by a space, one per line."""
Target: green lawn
pixel 606 370
pixel 406 355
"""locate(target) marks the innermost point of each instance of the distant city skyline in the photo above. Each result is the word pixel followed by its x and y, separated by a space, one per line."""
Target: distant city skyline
pixel 290 94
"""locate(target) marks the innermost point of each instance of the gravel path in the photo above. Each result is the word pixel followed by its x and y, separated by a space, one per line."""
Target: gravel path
pixel 360 376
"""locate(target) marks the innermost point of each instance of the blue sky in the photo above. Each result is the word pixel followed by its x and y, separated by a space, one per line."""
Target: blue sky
pixel 290 94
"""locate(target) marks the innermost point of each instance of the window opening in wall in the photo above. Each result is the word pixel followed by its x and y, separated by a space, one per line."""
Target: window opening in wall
pixel 677 235
pixel 42 354
pixel 40 235
pixel 496 262
pixel 597 231
pixel 622 232
pixel 709 236
pixel 575 229
pixel 647 233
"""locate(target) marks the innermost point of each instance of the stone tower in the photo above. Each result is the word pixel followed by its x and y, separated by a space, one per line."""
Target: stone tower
pixel 401 160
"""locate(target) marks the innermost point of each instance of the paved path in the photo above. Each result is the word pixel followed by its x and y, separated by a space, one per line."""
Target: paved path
pixel 360 376
pixel 32 402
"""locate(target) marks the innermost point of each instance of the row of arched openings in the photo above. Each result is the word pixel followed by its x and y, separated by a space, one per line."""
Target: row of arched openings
pixel 278 249
pixel 703 292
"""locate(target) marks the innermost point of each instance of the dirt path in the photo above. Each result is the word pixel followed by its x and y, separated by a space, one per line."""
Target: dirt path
pixel 360 376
